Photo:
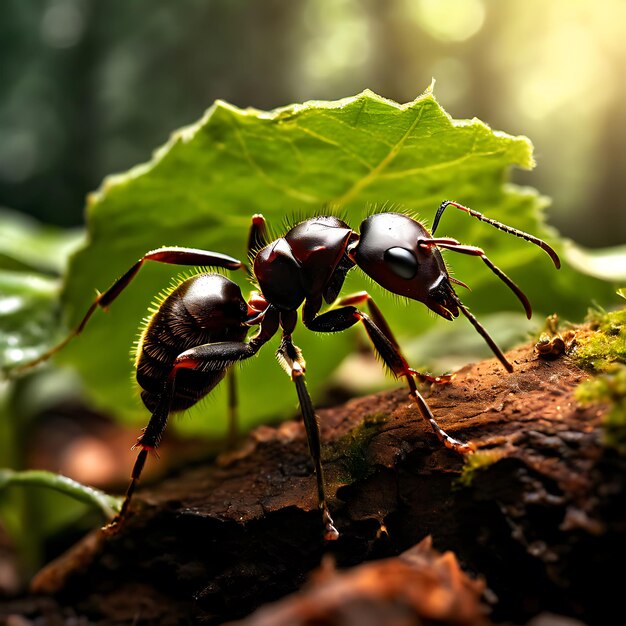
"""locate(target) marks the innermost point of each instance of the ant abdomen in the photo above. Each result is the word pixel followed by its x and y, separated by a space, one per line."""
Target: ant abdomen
pixel 203 309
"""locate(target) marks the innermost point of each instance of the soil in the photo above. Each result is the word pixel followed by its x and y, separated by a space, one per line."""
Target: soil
pixel 531 532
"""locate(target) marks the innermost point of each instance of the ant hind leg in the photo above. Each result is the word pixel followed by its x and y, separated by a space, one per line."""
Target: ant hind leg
pixel 149 440
pixel 167 255
pixel 233 407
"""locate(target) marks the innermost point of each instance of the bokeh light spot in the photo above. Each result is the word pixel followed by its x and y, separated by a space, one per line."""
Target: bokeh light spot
pixel 450 20
pixel 62 24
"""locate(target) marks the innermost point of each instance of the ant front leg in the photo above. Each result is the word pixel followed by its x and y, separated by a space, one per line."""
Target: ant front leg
pixel 343 318
pixel 290 358
pixel 380 321
pixel 170 256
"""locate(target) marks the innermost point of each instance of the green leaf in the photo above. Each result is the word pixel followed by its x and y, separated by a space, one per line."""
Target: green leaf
pixel 202 188
pixel 26 245
pixel 32 256
pixel 30 316
pixel 606 263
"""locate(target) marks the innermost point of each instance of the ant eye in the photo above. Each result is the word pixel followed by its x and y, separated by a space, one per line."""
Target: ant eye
pixel 402 262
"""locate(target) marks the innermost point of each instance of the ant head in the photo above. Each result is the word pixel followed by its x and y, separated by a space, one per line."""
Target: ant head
pixel 388 252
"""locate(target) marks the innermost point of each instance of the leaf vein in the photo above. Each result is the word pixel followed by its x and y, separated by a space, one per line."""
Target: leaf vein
pixel 374 172
pixel 336 144
pixel 352 128
pixel 439 166
pixel 265 177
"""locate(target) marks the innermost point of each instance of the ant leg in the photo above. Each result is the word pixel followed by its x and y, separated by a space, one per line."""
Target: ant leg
pixel 257 237
pixel 216 356
pixel 381 322
pixel 149 440
pixel 500 226
pixel 171 256
pixel 340 319
pixel 233 403
pixel 290 357
pixel 257 240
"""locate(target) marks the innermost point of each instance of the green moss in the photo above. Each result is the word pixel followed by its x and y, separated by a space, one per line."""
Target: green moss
pixel 607 345
pixel 476 462
pixel 608 388
pixel 604 353
pixel 352 447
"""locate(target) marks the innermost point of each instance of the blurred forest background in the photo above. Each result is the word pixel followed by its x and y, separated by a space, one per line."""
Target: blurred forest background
pixel 90 88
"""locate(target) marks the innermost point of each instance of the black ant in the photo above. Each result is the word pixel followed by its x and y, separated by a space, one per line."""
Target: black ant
pixel 199 330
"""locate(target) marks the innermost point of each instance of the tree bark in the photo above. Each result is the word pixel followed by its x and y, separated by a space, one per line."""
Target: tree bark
pixel 539 522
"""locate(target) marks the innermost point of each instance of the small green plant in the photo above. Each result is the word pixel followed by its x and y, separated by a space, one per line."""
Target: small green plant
pixel 108 505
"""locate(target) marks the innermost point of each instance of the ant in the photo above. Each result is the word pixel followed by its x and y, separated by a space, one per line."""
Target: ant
pixel 199 330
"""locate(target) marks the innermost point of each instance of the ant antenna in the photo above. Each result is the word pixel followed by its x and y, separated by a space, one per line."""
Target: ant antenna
pixel 452 244
pixel 500 226
pixel 483 332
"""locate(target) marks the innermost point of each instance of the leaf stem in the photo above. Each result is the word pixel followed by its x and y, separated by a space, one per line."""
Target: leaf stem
pixel 109 505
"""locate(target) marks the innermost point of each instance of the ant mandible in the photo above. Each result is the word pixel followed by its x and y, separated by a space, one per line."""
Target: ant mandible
pixel 199 330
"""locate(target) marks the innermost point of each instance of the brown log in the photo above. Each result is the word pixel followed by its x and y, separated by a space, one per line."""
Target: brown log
pixel 541 522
